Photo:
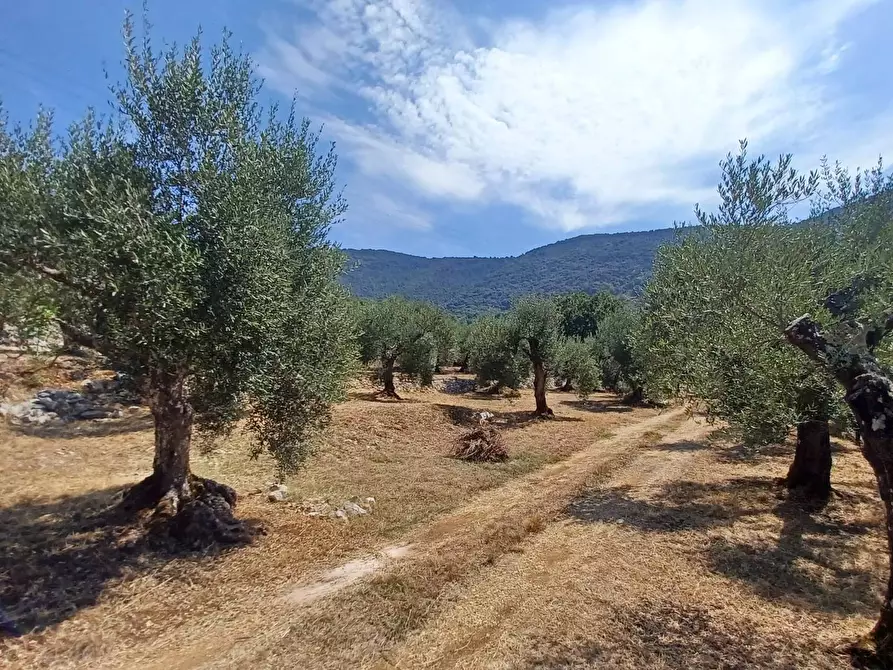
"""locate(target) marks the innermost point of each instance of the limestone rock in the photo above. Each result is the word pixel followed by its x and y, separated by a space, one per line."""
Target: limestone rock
pixel 277 493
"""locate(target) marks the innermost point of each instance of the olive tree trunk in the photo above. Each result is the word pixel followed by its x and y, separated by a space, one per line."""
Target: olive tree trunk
pixel 191 509
pixel 810 472
pixel 387 376
pixel 539 389
pixel 173 434
pixel 869 393
pixel 463 364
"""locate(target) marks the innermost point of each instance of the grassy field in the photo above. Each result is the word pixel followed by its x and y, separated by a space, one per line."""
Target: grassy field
pixel 612 537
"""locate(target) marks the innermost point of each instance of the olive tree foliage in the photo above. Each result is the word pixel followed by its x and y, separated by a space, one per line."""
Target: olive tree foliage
pixel 617 349
pixel 721 298
pixel 27 305
pixel 491 354
pixel 405 333
pixel 582 313
pixel 722 294
pixel 185 239
pixel 577 365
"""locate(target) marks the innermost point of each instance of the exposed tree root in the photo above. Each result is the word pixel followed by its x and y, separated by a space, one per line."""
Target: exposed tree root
pixel 867 653
pixel 388 393
pixel 198 515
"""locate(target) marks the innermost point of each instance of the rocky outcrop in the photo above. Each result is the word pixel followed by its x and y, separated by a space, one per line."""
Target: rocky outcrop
pixel 98 399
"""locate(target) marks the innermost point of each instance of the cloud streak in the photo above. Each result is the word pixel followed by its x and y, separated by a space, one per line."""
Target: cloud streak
pixel 583 120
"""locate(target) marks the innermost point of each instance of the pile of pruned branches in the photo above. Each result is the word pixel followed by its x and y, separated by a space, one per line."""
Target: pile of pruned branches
pixel 483 443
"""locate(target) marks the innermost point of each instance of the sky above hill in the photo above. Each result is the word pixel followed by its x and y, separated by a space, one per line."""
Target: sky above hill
pixel 488 127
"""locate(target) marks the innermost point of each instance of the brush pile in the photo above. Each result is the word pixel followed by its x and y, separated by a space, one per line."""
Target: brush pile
pixel 482 444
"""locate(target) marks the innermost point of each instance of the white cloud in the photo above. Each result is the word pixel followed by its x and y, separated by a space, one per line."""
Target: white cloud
pixel 390 212
pixel 582 119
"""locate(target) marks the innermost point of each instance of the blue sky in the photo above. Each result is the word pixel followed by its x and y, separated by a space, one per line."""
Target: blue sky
pixel 488 127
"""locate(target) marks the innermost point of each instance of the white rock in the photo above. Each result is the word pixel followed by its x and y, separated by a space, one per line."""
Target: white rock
pixel 278 495
pixel 352 509
pixel 369 502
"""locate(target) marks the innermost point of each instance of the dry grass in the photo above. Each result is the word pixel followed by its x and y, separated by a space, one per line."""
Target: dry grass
pixel 690 557
pixel 612 537
pixel 90 603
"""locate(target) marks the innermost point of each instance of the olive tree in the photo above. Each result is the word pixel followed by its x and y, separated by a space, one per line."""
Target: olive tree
pixel 491 355
pixel 534 333
pixel 507 348
pixel 186 240
pixel 577 365
pixel 848 337
pixel 617 349
pixel 396 331
pixel 582 313
pixel 719 300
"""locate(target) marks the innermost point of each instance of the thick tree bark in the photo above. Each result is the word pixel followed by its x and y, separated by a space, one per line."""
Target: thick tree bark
pixel 878 450
pixel 192 510
pixel 568 386
pixel 539 390
pixel 463 365
pixel 173 432
pixel 810 472
pixel 634 397
pixel 387 376
pixel 869 393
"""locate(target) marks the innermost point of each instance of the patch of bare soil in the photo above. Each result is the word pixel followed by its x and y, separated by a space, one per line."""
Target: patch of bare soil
pixel 89 594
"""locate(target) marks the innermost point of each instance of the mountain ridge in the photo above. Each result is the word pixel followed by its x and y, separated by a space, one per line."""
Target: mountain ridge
pixel 617 262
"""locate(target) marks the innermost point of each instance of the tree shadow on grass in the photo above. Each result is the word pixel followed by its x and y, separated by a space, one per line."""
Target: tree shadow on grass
pixel 465 416
pixel 58 557
pixel 731 449
pixel 810 564
pixel 77 429
pixel 598 406
pixel 681 446
pixel 380 399
pixel 673 635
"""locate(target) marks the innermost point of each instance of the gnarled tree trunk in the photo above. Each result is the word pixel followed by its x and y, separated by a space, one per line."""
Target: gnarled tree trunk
pixel 810 472
pixel 387 376
pixel 634 397
pixel 539 389
pixel 463 364
pixel 869 393
pixel 878 450
pixel 191 509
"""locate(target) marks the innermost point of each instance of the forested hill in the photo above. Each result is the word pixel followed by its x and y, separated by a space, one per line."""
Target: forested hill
pixel 619 262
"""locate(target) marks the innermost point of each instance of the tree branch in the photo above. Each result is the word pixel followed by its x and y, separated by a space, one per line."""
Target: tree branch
pixel 79 336
pixel 845 363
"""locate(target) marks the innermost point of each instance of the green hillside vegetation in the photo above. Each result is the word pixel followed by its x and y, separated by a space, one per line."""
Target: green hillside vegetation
pixel 616 262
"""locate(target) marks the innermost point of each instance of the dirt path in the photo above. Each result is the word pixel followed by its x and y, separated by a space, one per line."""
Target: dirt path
pixel 481 630
pixel 662 566
pixel 296 626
